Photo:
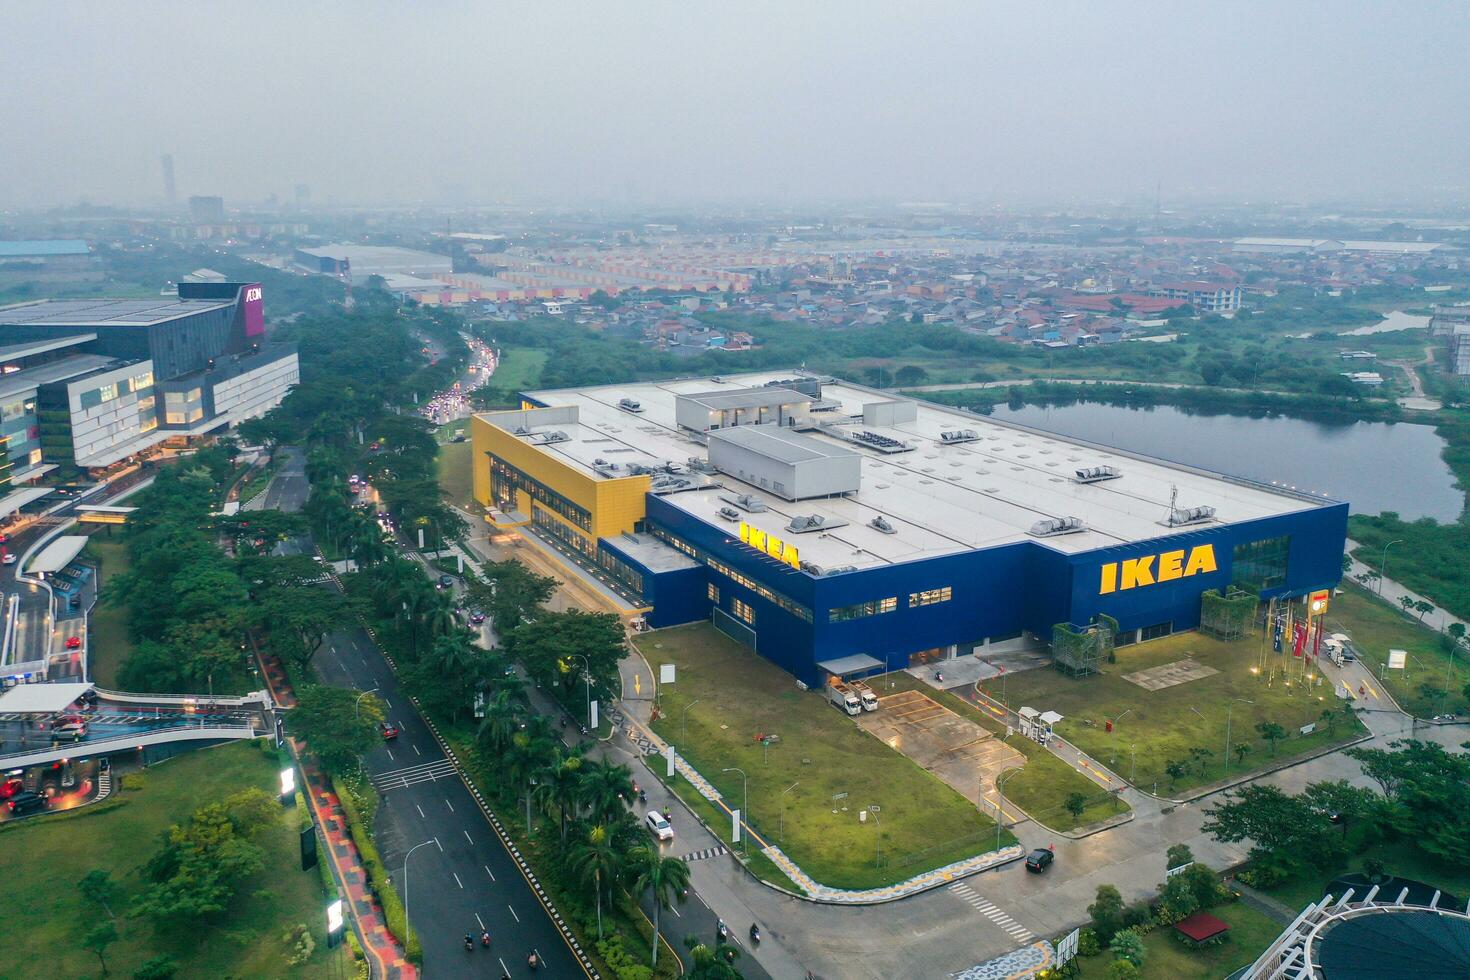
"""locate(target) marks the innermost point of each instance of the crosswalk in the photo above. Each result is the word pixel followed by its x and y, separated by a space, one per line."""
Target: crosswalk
pixel 412 775
pixel 706 854
pixel 988 909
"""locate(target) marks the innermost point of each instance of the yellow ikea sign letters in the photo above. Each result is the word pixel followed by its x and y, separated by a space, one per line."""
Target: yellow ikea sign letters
pixel 1151 569
pixel 770 544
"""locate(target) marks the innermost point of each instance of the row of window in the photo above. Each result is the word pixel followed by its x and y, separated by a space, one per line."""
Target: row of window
pixel 930 597
pixel 877 607
pixel 505 477
pixel 620 570
pixel 742 611
pixel 1259 565
pixel 561 532
pixel 93 397
pixel 705 558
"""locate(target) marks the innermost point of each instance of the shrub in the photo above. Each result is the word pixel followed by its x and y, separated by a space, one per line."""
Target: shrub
pixel 1123 970
pixel 299 945
pixel 377 875
pixel 132 781
pixel 1128 945
pixel 1087 943
pixel 158 968
pixel 1107 912
pixel 1136 915
pixel 623 966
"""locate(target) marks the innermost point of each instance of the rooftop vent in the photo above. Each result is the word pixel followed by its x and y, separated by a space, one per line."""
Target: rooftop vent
pixel 881 524
pixel 729 513
pixel 1053 526
pixel 745 501
pixel 1097 474
pixel 701 465
pixel 629 405
pixel 880 442
pixel 547 438
pixel 958 436
pixel 670 484
pixel 1180 516
pixel 811 522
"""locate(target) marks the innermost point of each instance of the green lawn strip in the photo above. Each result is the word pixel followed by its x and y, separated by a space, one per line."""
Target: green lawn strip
pixel 454 472
pixel 925 823
pixel 359 805
pixel 44 859
pixel 1168 957
pixel 1043 785
pixel 1399 858
pixel 259 478
pixel 636 931
pixel 1376 627
pixel 519 368
pixel 108 642
pixel 1161 725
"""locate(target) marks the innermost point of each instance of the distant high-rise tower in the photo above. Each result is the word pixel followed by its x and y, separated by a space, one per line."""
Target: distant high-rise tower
pixel 168 177
pixel 303 195
pixel 207 210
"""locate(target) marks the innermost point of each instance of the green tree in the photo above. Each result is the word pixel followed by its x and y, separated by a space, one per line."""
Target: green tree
pixel 1128 945
pixel 606 790
pixel 910 375
pixel 1075 803
pixel 554 645
pixel 337 723
pixel 157 968
pixel 1123 970
pixel 709 963
pixel 561 784
pixel 97 939
pixel 302 618
pixel 598 864
pixel 1271 733
pixel 1177 856
pixel 1107 912
pixel 1429 791
pixel 98 887
pixel 1285 831
pixel 663 877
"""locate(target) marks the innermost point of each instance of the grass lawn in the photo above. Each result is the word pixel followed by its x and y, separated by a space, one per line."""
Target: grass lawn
pixel 454 472
pixel 519 368
pixel 1377 627
pixel 260 477
pixel 1167 958
pixel 1398 857
pixel 109 644
pixel 925 824
pixel 1164 725
pixel 1042 786
pixel 45 858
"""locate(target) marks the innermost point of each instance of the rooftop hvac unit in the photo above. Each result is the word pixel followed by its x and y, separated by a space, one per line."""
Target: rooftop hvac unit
pixel 1180 516
pixel 670 484
pixel 881 524
pixel 1053 526
pixel 629 405
pixel 547 438
pixel 880 442
pixel 701 465
pixel 802 524
pixel 745 501
pixel 729 513
pixel 958 436
pixel 812 568
pixel 1097 474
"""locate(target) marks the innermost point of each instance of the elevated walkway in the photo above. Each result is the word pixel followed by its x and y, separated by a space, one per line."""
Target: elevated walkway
pixel 125 743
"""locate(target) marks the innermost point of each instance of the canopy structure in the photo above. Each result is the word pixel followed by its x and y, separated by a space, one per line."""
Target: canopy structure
pixel 58 554
pixel 1201 926
pixel 41 698
pixel 1050 717
pixel 12 502
pixel 843 666
pixel 1397 945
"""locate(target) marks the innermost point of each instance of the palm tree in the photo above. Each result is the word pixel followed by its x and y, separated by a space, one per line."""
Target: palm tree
pixel 606 789
pixel 502 720
pixel 367 545
pixel 439 618
pixel 562 781
pixel 453 654
pixel 711 963
pixel 664 876
pixel 598 863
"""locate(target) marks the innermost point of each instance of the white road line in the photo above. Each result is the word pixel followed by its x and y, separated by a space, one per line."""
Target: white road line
pixel 456 879
pixel 439 845
pixel 467 837
pixel 675 911
pixel 416 749
pixel 391 755
pixel 488 871
pixel 513 913
pixel 421 811
pixel 504 971
pixel 451 806
pixel 480 921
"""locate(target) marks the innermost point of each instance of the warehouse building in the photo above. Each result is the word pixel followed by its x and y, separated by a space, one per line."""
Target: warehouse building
pixel 824 523
pixel 86 384
pixel 358 262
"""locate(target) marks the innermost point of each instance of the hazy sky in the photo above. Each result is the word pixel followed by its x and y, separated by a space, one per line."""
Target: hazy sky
pixel 687 101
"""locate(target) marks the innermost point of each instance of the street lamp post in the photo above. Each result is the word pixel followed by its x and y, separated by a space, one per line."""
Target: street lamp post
pixel 875 809
pixel 1228 709
pixel 1120 718
pixel 1383 565
pixel 530 790
pixel 781 831
pixel 744 804
pixel 684 720
pixel 406 926
pixel 586 676
pixel 1133 762
pixel 1000 808
pixel 357 704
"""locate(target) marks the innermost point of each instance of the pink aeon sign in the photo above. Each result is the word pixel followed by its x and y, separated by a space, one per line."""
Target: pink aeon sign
pixel 254 310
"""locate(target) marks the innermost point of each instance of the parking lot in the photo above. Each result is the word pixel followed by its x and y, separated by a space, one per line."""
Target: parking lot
pixel 955 749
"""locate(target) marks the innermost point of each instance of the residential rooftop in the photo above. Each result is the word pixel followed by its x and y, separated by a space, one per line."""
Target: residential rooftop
pixel 939 498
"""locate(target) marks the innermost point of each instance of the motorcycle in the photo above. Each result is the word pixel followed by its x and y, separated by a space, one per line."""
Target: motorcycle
pixel 722 931
pixel 533 961
pixel 469 945
pixel 485 939
pixel 755 933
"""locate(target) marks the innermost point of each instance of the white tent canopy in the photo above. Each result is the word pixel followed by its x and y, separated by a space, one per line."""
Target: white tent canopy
pixel 58 554
pixel 13 502
pixel 843 666
pixel 41 698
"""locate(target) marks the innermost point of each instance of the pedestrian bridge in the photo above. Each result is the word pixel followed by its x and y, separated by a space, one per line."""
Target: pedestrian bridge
pixel 130 742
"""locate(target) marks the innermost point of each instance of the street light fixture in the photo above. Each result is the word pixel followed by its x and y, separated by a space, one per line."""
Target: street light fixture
pixel 406 926
pixel 781 831
pixel 1000 808
pixel 1383 565
pixel 1228 709
pixel 586 676
pixel 684 720
pixel 744 805
pixel 357 704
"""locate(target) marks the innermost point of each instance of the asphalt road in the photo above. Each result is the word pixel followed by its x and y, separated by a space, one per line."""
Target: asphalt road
pixel 465 879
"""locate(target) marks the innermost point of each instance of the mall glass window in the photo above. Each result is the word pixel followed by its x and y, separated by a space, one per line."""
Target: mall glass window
pixel 1259 565
pixel 505 477
pixel 1156 631
pixel 931 597
pixel 862 610
pixel 742 611
pixel 704 557
pixel 713 591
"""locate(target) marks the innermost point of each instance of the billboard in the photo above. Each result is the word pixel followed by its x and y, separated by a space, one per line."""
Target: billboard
pixel 252 304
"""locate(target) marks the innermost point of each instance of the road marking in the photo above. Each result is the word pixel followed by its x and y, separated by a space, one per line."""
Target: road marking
pixel 416 750
pixel 392 756
pixel 504 971
pixel 421 811
pixel 450 805
pixel 676 912
pixel 480 921
pixel 439 845
pixel 488 871
pixel 456 879
pixel 988 909
pixel 467 837
pixel 513 913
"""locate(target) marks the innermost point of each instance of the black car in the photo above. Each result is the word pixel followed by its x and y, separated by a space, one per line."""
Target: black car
pixel 1039 860
pixel 445 581
pixel 22 803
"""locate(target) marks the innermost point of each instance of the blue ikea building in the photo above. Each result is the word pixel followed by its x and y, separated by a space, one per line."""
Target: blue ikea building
pixel 849 530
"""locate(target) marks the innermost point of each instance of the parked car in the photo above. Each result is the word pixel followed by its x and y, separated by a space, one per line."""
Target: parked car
pixel 9 558
pixel 11 787
pixel 1039 860
pixel 658 826
pixel 445 581
pixel 388 731
pixel 22 803
pixel 73 642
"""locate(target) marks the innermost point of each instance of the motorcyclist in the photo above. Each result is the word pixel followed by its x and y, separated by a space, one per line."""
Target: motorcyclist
pixel 755 932
pixel 533 961
pixel 469 943
pixel 485 938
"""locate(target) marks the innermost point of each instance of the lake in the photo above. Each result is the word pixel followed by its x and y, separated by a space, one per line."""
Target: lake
pixel 1396 320
pixel 1374 466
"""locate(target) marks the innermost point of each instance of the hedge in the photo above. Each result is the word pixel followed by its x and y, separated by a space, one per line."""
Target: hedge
pixel 393 913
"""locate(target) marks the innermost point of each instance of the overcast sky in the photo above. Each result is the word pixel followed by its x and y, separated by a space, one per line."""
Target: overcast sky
pixel 573 101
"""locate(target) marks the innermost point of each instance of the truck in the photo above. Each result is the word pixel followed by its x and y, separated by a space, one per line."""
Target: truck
pixel 865 695
pixel 843 699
